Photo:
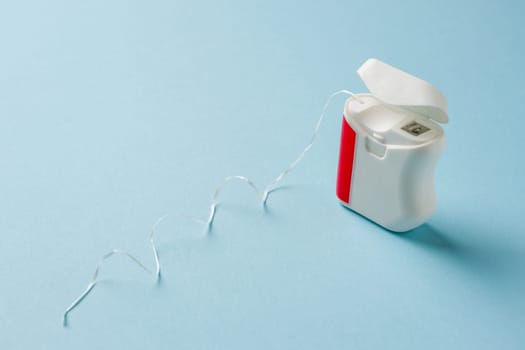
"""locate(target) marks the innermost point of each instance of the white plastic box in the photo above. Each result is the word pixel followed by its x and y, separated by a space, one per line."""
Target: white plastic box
pixel 390 144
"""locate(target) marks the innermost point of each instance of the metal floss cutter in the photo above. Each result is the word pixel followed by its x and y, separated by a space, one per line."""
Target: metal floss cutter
pixel 390 144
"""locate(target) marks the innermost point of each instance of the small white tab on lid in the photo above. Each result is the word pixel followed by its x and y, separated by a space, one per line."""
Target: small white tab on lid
pixel 395 87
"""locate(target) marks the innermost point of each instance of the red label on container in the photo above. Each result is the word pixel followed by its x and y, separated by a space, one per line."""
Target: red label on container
pixel 346 162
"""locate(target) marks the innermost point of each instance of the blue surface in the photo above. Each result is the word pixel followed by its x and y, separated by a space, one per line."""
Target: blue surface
pixel 114 113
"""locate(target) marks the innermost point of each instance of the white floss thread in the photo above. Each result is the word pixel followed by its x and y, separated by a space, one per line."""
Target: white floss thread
pixel 261 196
pixel 271 186
pixel 94 280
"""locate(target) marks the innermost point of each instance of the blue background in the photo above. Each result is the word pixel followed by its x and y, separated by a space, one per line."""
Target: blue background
pixel 114 113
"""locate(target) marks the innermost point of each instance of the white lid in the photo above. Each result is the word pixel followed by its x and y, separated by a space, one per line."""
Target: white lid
pixel 395 87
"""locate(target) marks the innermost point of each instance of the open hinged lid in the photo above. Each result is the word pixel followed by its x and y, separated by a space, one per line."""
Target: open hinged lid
pixel 395 87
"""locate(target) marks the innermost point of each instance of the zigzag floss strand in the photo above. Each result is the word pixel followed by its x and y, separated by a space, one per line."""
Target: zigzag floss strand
pixel 261 196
